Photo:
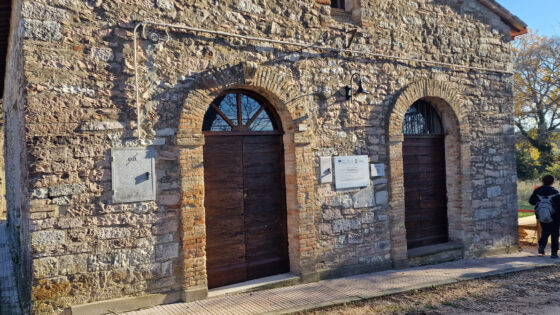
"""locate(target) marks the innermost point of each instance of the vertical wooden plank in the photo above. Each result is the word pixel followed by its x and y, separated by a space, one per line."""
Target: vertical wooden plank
pixel 225 227
pixel 265 209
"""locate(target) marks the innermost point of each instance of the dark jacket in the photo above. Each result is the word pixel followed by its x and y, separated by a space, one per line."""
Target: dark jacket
pixel 547 191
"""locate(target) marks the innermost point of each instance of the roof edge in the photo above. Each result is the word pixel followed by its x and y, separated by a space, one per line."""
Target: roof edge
pixel 517 26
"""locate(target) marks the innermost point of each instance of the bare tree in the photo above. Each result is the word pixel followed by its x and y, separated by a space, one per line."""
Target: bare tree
pixel 537 93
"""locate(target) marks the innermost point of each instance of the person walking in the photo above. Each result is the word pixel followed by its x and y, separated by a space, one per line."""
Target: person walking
pixel 546 200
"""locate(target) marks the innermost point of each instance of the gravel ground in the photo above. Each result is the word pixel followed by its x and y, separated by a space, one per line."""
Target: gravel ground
pixel 529 292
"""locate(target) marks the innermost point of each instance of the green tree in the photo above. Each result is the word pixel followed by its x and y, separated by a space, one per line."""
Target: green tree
pixel 526 165
pixel 537 93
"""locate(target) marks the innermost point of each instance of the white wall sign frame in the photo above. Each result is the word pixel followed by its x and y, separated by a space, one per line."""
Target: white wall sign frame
pixel 351 171
pixel 133 174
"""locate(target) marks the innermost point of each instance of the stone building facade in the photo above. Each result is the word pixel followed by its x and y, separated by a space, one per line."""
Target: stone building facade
pixel 70 101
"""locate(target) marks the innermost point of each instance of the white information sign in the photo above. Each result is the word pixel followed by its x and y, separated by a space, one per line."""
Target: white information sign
pixel 133 172
pixel 351 171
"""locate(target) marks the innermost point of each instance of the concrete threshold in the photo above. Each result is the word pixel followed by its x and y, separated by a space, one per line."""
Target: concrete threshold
pixel 266 283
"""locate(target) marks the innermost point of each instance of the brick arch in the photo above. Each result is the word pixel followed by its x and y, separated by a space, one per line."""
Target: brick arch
pixel 426 89
pixel 447 101
pixel 291 105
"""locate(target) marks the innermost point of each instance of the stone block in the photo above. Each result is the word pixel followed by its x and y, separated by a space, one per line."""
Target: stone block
pixel 101 54
pixel 345 225
pixel 41 30
pixel 45 267
pixel 67 223
pixel 166 5
pixel 494 191
pixel 166 132
pixel 368 217
pixel 167 251
pixel 113 232
pixel 168 199
pixel 61 201
pixel 102 125
pixel 382 217
pixel 343 201
pixel 73 264
pixel 40 193
pixel 166 227
pixel 485 214
pixel 381 197
pixel 48 237
pixel 158 141
pixel 324 229
pixel 141 256
pixel 355 238
pixel 249 6
pixel 167 268
pixel 66 190
pixel 364 198
pixel 102 261
pixel 330 214
pixel 34 10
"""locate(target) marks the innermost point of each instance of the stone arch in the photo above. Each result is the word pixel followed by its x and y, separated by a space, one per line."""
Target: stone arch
pixel 447 101
pixel 291 106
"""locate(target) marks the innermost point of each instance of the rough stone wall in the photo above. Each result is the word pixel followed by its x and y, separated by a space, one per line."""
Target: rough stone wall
pixel 79 103
pixel 3 211
pixel 16 156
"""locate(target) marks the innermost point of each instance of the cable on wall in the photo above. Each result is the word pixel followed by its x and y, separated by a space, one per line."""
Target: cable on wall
pixel 287 43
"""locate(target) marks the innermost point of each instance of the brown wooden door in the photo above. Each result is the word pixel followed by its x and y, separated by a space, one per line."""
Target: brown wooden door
pixel 223 200
pixel 265 221
pixel 425 190
pixel 245 208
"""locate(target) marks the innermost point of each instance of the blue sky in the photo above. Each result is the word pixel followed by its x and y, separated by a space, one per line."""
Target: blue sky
pixel 541 15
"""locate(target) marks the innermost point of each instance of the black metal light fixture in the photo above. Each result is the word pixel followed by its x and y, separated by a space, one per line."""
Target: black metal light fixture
pixel 349 88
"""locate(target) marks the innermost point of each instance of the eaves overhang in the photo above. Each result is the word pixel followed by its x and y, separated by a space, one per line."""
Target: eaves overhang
pixel 517 26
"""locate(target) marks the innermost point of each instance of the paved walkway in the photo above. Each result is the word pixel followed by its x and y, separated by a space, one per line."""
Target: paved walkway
pixel 351 289
pixel 9 304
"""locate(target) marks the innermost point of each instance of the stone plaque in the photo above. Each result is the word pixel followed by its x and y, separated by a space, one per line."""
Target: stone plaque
pixel 351 171
pixel 325 169
pixel 133 174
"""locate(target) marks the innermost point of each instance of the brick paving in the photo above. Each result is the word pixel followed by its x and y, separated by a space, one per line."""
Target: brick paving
pixel 355 288
pixel 9 304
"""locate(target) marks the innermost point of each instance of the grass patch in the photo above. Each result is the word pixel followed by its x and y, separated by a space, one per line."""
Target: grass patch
pixel 524 191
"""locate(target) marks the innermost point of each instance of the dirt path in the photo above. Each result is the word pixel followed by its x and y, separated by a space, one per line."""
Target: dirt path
pixel 529 292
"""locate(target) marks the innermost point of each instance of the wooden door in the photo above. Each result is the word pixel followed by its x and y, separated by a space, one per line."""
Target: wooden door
pixel 425 190
pixel 424 177
pixel 244 191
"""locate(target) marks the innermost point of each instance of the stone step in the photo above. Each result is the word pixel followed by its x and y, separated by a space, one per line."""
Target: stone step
pixel 277 281
pixel 435 254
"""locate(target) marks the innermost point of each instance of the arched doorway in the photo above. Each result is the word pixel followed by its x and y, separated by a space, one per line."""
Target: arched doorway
pixel 244 190
pixel 425 185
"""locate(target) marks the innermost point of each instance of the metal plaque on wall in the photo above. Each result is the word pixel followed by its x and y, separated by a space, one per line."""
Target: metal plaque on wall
pixel 133 174
pixel 351 171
